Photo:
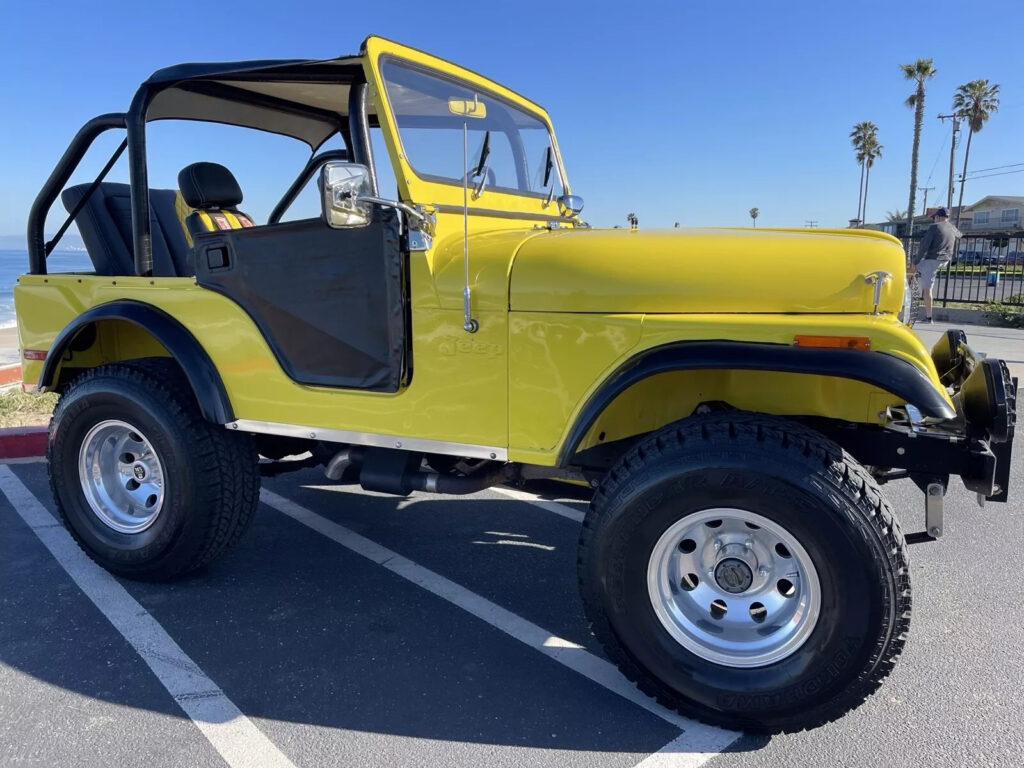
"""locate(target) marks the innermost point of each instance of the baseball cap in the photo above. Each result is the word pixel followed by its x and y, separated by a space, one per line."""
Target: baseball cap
pixel 940 212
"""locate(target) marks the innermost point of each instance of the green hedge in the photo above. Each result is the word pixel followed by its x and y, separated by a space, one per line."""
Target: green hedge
pixel 1006 315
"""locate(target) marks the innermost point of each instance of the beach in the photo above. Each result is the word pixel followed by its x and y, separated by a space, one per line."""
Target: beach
pixel 9 346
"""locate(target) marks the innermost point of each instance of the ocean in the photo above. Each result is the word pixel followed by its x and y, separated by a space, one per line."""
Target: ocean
pixel 15 263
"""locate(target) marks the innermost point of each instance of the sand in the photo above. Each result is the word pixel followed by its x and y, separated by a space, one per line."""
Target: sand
pixel 9 346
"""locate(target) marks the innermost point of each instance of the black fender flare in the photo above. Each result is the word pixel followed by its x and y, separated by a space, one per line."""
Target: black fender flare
pixel 879 369
pixel 176 339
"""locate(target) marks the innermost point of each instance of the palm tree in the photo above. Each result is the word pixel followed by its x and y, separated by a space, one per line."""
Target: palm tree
pixel 754 213
pixel 870 151
pixel 895 217
pixel 919 71
pixel 975 101
pixel 857 136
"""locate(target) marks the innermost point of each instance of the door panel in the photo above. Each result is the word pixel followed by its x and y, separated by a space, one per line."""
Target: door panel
pixel 330 302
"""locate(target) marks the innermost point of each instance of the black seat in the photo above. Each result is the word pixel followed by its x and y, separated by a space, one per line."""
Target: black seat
pixel 213 192
pixel 105 223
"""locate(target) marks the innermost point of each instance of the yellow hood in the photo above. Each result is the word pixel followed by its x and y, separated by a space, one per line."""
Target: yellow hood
pixel 706 270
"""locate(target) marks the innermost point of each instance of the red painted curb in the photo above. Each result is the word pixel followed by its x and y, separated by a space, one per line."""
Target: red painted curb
pixel 10 374
pixel 22 442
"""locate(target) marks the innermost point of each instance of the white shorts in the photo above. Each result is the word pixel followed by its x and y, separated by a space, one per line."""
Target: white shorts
pixel 928 269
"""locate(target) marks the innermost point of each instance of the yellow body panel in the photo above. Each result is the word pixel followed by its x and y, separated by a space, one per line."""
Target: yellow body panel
pixel 705 270
pixel 558 312
pixel 458 391
pixel 564 358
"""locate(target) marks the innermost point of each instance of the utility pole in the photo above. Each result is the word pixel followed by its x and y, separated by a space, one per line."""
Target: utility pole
pixel 952 156
pixel 926 190
pixel 810 224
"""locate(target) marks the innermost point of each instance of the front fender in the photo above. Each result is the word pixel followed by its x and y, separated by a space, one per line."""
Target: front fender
pixel 887 372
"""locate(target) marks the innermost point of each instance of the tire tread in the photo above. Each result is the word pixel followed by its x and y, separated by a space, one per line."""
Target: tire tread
pixel 874 514
pixel 225 463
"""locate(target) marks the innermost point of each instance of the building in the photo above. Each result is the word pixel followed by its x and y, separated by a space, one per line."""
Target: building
pixel 995 213
pixel 990 215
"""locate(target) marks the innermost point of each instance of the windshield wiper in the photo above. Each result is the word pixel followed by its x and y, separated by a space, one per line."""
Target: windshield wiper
pixel 481 166
pixel 549 163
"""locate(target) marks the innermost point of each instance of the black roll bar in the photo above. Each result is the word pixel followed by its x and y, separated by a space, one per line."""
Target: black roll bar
pixel 58 178
pixel 135 122
pixel 303 178
pixel 359 127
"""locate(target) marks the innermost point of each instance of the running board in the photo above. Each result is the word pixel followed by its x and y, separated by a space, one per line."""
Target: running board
pixel 415 444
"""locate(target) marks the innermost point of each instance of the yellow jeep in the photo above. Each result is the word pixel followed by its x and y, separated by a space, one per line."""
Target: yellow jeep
pixel 739 560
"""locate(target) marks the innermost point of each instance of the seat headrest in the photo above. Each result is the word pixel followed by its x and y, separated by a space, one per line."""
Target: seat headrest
pixel 209 185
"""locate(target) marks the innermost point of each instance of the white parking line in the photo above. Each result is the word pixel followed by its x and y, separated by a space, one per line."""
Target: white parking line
pixel 563 510
pixel 698 742
pixel 232 734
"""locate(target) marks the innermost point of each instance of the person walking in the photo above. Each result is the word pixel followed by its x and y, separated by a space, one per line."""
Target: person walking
pixel 934 252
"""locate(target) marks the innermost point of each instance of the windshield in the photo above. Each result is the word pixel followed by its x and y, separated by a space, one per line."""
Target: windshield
pixel 433 112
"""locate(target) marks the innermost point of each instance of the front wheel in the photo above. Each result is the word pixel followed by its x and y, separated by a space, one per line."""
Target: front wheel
pixel 745 571
pixel 146 487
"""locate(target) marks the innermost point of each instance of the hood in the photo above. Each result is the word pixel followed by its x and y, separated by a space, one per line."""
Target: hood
pixel 705 270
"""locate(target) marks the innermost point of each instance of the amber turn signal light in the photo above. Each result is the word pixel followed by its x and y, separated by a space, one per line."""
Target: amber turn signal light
pixel 833 342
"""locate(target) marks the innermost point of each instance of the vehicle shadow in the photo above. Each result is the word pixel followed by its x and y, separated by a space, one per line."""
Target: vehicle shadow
pixel 297 629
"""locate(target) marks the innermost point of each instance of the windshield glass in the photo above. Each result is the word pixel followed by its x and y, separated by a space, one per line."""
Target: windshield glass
pixel 433 111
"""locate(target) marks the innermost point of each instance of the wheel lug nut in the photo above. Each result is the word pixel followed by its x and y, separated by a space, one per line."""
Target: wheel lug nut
pixel 749 543
pixel 762 571
pixel 718 544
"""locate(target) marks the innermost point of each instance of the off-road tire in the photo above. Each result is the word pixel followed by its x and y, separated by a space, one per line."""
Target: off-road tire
pixel 800 480
pixel 211 474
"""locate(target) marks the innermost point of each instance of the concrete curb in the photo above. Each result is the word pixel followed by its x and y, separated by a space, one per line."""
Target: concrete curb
pixel 23 442
pixel 957 315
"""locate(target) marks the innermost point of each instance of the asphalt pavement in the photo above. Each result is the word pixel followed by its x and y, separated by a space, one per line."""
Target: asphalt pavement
pixel 354 628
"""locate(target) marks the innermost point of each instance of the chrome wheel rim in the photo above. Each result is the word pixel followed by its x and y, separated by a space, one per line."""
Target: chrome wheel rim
pixel 122 477
pixel 734 588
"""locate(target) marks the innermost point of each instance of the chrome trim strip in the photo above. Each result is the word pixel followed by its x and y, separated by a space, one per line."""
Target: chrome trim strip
pixel 444 208
pixel 465 450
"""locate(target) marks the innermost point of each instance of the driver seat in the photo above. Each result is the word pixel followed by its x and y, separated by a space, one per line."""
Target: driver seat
pixel 212 192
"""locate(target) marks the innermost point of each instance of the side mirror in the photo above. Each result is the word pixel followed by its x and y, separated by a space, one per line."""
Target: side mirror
pixel 570 205
pixel 342 185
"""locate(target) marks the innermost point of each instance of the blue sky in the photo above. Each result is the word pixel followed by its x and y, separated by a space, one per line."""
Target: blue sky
pixel 691 112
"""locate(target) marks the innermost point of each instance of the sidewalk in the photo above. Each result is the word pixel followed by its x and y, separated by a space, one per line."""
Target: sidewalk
pixel 1004 343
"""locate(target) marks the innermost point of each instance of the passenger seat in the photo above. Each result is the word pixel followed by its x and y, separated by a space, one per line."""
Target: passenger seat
pixel 212 191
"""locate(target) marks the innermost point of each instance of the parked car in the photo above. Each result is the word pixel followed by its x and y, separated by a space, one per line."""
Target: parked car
pixel 739 561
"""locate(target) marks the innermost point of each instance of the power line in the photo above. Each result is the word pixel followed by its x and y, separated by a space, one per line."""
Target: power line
pixel 942 150
pixel 996 168
pixel 990 175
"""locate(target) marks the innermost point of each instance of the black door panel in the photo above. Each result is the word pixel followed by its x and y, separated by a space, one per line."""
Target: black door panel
pixel 330 302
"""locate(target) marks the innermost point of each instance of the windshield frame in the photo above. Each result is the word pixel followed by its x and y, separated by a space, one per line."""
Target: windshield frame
pixel 496 196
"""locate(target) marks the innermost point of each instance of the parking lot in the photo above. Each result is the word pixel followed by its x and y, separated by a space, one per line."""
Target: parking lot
pixel 360 629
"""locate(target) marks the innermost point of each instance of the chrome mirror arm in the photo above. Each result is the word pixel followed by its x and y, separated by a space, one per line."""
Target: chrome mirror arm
pixel 422 219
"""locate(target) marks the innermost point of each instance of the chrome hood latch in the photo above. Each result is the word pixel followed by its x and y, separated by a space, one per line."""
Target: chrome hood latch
pixel 877 279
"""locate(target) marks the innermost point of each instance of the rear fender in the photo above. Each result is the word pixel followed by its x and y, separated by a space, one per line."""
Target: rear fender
pixel 145 331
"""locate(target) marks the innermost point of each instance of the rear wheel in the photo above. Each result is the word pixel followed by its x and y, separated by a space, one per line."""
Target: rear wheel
pixel 745 571
pixel 146 486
